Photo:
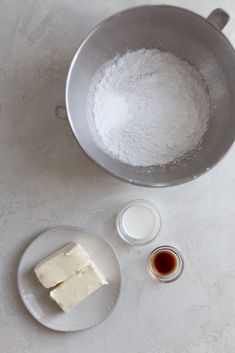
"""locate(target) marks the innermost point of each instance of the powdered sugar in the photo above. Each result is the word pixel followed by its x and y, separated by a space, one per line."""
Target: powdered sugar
pixel 149 107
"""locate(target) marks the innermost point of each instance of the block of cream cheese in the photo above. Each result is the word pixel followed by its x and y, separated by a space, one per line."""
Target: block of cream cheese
pixel 78 287
pixel 61 265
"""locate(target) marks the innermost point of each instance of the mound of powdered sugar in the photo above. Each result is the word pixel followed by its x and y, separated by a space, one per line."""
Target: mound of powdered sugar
pixel 149 107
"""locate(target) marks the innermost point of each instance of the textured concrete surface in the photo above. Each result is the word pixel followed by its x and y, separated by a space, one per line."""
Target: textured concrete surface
pixel 46 180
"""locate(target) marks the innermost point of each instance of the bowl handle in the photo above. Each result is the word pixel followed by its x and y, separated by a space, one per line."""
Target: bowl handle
pixel 219 18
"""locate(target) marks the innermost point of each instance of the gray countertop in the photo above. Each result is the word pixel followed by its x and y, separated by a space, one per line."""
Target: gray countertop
pixel 46 181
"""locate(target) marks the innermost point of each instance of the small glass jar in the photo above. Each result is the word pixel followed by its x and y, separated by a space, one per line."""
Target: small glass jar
pixel 176 262
pixel 138 222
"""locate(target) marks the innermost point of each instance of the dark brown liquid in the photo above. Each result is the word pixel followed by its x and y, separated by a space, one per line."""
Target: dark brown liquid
pixel 164 262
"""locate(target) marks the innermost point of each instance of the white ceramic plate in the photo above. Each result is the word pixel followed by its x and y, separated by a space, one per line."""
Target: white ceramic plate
pixel 90 312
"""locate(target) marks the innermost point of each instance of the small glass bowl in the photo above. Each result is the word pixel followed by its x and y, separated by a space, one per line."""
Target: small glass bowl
pixel 172 276
pixel 144 240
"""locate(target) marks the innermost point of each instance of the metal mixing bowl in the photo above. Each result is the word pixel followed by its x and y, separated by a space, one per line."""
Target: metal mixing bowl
pixel 189 36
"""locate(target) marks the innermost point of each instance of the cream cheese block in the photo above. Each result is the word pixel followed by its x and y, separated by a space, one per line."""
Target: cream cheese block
pixel 78 287
pixel 61 265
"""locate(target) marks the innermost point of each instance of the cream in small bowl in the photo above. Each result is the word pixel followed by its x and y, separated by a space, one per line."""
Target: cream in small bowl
pixel 139 222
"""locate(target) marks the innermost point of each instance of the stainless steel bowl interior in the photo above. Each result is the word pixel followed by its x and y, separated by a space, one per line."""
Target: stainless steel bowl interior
pixel 168 28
